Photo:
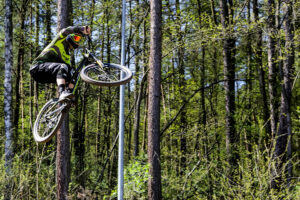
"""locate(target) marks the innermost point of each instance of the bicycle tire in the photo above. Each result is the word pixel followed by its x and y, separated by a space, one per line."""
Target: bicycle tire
pixel 109 76
pixel 53 124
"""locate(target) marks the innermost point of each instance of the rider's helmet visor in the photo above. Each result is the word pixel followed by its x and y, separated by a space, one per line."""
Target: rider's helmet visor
pixel 77 38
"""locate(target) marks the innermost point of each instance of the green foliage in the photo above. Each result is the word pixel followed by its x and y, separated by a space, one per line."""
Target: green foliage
pixel 135 179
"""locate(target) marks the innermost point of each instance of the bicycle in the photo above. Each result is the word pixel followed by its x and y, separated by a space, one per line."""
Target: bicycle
pixel 90 70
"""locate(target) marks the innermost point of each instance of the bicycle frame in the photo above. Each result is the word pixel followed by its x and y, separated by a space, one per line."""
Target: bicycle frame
pixel 77 74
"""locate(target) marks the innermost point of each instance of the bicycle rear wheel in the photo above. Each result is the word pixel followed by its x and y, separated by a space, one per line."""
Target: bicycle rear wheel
pixel 48 120
pixel 109 75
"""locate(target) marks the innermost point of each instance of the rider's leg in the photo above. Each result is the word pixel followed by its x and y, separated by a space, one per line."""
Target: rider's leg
pixel 61 83
pixel 63 88
pixel 64 73
pixel 51 72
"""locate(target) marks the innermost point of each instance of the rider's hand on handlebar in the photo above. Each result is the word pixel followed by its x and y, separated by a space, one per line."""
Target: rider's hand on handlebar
pixel 87 30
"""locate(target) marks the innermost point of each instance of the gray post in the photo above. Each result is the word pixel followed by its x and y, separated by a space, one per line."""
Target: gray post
pixel 121 115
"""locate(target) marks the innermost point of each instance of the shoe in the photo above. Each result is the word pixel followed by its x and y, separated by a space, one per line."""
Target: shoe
pixel 66 95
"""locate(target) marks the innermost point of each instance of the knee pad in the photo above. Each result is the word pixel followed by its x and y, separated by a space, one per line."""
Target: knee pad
pixel 63 72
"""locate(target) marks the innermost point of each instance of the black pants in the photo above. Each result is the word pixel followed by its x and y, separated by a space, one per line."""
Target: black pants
pixel 48 72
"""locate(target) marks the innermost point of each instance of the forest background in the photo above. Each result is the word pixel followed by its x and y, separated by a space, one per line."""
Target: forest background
pixel 230 96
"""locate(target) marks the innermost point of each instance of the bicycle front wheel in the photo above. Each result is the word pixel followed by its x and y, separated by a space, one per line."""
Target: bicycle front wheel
pixel 48 121
pixel 109 75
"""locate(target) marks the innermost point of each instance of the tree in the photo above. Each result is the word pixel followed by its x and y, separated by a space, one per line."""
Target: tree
pixel 154 182
pixel 229 77
pixel 261 71
pixel 8 97
pixel 20 66
pixel 182 88
pixel 284 133
pixel 63 137
pixel 138 88
pixel 273 69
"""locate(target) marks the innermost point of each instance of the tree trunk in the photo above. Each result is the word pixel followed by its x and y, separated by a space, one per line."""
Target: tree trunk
pixel 107 128
pixel 79 138
pixel 129 41
pixel 284 133
pixel 98 135
pixel 182 90
pixel 63 137
pixel 137 89
pixel 145 66
pixel 37 36
pixel 154 182
pixel 249 134
pixel 8 23
pixel 145 121
pixel 31 79
pixel 48 21
pixel 288 80
pixel 273 71
pixel 214 96
pixel 261 73
pixel 229 85
pixel 137 116
pixel 20 62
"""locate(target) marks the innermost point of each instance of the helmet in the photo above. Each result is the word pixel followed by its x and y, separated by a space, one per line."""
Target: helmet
pixel 74 39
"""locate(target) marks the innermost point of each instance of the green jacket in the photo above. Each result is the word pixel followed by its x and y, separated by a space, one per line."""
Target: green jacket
pixel 58 49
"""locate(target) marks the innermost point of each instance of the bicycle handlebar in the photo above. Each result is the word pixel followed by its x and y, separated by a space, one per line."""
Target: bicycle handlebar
pixel 90 44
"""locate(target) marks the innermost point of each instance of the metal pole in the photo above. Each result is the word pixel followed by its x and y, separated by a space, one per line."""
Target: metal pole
pixel 121 115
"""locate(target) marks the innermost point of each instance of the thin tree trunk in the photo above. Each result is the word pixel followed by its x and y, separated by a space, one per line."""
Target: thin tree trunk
pixel 48 21
pixel 154 183
pixel 182 90
pixel 145 120
pixel 8 23
pixel 20 62
pixel 204 124
pixel 249 133
pixel 37 33
pixel 229 85
pixel 145 68
pixel 129 41
pixel 63 137
pixel 108 102
pixel 79 139
pixel 137 89
pixel 273 70
pixel 31 80
pixel 214 95
pixel 288 71
pixel 137 116
pixel 261 73
pixel 98 135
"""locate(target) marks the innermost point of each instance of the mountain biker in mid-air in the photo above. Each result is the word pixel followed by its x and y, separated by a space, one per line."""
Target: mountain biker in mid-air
pixel 53 65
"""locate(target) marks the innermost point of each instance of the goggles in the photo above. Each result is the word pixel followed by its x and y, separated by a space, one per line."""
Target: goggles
pixel 74 39
pixel 77 38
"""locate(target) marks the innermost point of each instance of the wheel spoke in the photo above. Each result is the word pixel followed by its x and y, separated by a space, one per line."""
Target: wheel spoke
pixel 45 132
pixel 103 75
pixel 48 121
